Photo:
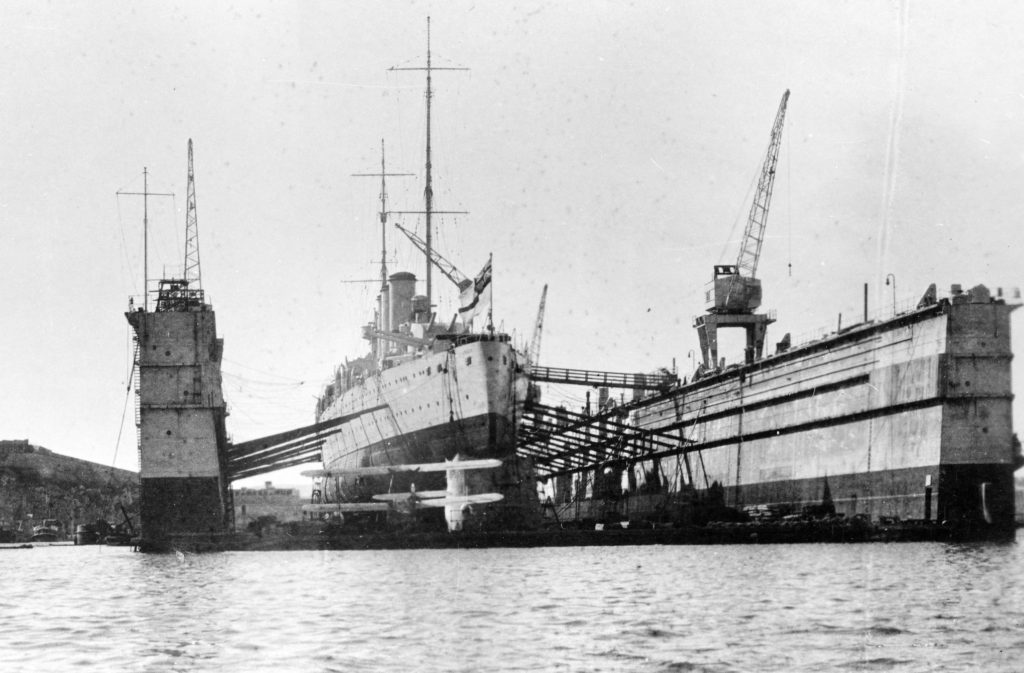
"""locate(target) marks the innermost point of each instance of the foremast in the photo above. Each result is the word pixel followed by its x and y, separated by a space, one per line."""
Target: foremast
pixel 383 309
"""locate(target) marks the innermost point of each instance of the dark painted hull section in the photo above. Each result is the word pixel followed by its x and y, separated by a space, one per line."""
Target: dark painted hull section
pixel 979 495
pixel 969 500
pixel 484 436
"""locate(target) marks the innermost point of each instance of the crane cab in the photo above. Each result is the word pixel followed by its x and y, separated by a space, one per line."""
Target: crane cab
pixel 730 292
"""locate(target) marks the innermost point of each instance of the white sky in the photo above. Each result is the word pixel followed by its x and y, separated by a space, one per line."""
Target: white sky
pixel 605 148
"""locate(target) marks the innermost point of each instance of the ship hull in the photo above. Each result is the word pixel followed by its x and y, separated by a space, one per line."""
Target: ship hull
pixel 462 402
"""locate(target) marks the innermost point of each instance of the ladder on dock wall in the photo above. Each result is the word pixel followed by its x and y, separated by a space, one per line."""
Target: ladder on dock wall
pixel 136 377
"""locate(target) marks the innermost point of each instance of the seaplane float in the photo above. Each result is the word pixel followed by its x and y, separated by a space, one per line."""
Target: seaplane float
pixel 455 499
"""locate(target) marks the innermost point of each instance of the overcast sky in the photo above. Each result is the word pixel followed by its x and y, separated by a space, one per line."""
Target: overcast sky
pixel 608 149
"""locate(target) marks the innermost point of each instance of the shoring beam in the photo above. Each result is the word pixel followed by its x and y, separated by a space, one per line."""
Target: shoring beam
pixel 591 442
pixel 285 449
pixel 312 446
pixel 578 420
pixel 281 437
pixel 256 471
pixel 587 426
pixel 240 456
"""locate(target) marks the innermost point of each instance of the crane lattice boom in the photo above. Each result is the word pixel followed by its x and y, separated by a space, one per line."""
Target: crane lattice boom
pixel 753 237
pixel 533 355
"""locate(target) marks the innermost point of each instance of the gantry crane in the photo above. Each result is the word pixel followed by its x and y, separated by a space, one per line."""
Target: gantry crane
pixel 734 292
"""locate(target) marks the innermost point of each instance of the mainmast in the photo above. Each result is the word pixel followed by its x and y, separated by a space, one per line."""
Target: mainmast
pixel 428 190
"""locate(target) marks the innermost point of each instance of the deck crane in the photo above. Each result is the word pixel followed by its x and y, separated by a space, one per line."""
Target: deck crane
pixel 734 292
pixel 444 266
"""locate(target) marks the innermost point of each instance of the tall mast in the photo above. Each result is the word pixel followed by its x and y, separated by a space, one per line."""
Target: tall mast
pixel 383 222
pixel 192 273
pixel 383 213
pixel 145 239
pixel 428 191
pixel 145 194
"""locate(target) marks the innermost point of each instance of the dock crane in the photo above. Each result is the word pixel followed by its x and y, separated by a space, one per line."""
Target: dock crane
pixel 533 354
pixel 734 292
pixel 533 392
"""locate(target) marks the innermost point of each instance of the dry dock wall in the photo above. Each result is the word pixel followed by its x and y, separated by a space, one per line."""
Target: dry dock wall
pixel 910 417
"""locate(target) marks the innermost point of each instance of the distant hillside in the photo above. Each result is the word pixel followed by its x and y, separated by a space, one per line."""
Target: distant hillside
pixel 36 484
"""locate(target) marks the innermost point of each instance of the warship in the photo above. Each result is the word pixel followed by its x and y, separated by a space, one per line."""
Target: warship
pixel 428 391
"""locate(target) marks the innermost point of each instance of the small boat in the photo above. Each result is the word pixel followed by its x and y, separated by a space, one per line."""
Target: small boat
pixel 87 533
pixel 47 531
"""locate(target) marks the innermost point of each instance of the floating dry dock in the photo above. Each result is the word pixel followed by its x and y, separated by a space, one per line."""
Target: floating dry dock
pixel 905 418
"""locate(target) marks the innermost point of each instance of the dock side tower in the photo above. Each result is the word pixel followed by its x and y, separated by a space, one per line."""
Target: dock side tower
pixel 181 410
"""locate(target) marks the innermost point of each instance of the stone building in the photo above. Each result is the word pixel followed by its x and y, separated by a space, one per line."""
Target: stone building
pixel 284 504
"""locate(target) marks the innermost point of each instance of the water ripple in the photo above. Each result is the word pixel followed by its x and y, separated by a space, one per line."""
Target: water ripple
pixel 716 609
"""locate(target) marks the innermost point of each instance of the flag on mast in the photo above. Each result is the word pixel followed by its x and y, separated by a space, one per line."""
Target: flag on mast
pixel 477 295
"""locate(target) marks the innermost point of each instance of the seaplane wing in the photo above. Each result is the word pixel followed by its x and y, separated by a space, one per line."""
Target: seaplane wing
pixel 375 470
pixel 347 507
pixel 391 497
pixel 456 500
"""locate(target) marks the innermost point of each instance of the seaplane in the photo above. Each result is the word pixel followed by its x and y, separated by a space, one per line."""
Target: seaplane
pixel 455 499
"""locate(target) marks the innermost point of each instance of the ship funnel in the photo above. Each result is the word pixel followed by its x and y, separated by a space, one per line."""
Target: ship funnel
pixel 402 288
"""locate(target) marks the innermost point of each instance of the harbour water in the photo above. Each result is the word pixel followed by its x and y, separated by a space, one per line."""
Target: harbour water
pixel 856 607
